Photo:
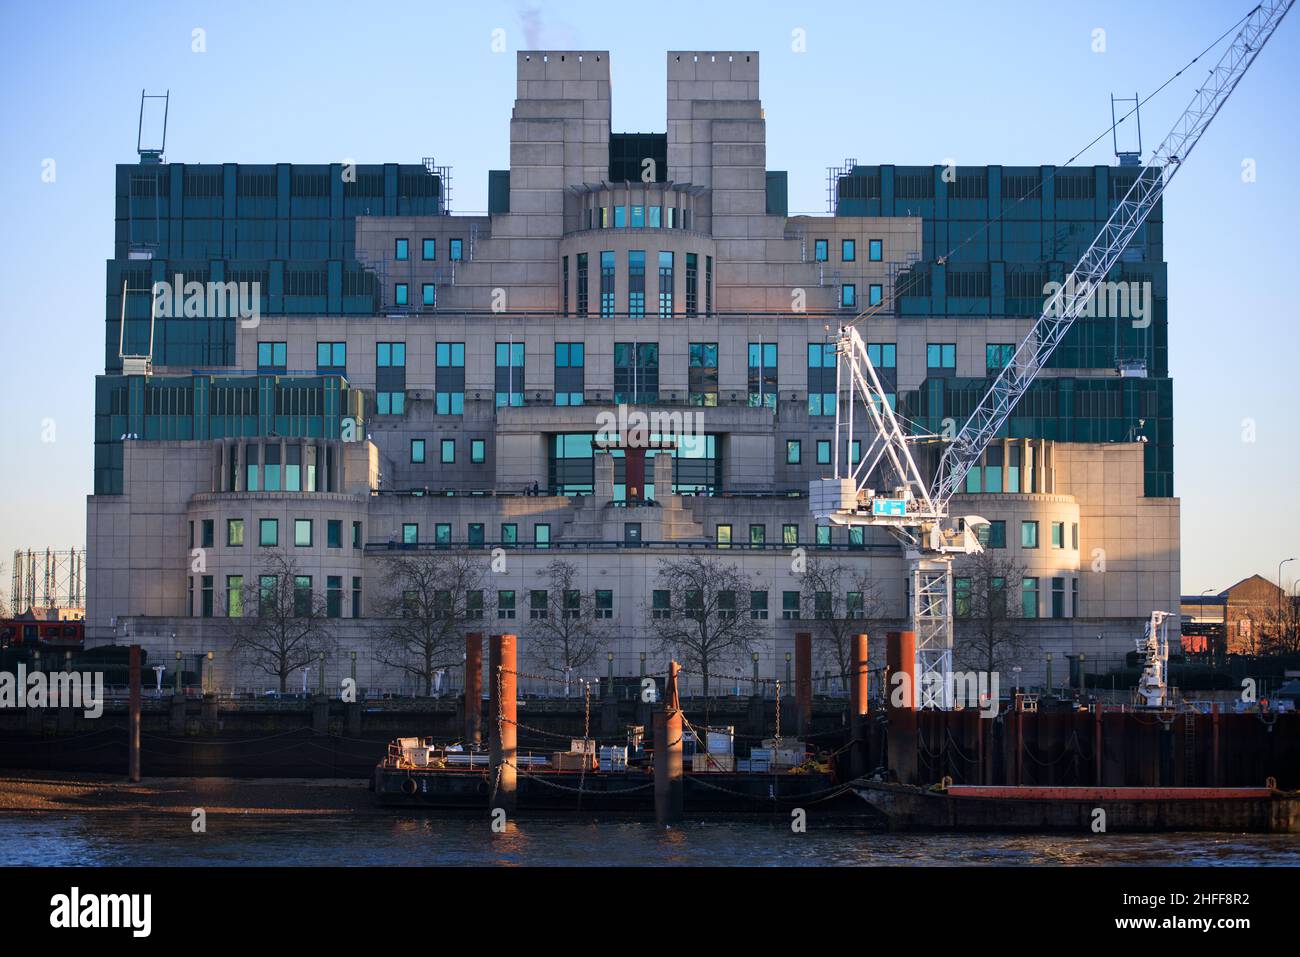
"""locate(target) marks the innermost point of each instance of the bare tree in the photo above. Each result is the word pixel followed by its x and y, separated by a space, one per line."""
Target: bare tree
pixel 430 600
pixel 1280 629
pixel 4 606
pixel 282 623
pixel 566 632
pixel 844 601
pixel 704 616
pixel 988 613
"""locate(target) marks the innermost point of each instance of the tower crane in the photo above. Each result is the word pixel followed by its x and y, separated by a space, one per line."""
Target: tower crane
pixel 886 488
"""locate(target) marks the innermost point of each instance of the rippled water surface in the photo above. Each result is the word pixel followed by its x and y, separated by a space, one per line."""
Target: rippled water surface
pixel 412 840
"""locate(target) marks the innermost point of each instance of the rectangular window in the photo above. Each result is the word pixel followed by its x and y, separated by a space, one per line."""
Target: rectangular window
pixel 477 452
pixel 430 294
pixel 708 285
pixel 448 451
pixel 1074 535
pixel 821 250
pixel 665 284
pixel 792 451
pixel 537 604
pixel 207 596
pixel 758 605
pixel 757 534
pixel 1058 597
pixel 702 374
pixel 823 452
pixel 356 535
pixel 401 294
pixel 692 284
pixel 417 451
pixel 356 596
pixel 607 284
pixel 474 604
pixel 234 532
pixel 790 605
pixel 875 294
pixel 208 532
pixel 1028 534
pixel 941 355
pixel 762 375
pixel 542 535
pixel 660 604
pixel 269 532
pixel 506 604
pixel 570 373
pixel 302 532
pixel 582 284
pixel 429 250
pixel 475 534
pixel 723 536
pixel 272 356
pixel 302 596
pixel 821 378
pixel 992 535
pixel 1058 534
pixel 268 588
pixel 604 603
pixel 875 250
pixel 636 372
pixel 457 249
pixel 632 533
pixel 442 534
pixel 848 250
pixel 822 605
pixel 331 358
pixel 997 355
pixel 333 533
pixel 823 533
pixel 410 533
pixel 509 374
pixel 961 597
pixel 235 596
pixel 636 283
pixel 1029 597
pixel 402 250
pixel 449 378
pixel 848 295
pixel 509 533
pixel 790 534
pixel 334 596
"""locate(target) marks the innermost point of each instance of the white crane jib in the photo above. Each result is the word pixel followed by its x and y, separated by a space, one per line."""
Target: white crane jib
pixel 884 487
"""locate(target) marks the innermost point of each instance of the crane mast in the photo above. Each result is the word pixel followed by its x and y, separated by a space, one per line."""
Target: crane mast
pixel 884 486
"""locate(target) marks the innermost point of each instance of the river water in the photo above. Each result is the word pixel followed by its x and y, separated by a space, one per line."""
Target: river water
pixel 151 839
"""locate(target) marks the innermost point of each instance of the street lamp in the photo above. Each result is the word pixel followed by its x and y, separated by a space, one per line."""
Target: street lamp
pixel 1281 590
pixel 788 656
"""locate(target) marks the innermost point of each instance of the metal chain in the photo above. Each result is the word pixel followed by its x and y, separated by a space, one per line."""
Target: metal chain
pixel 778 714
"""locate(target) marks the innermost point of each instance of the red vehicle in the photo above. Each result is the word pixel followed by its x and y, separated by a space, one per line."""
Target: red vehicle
pixel 41 633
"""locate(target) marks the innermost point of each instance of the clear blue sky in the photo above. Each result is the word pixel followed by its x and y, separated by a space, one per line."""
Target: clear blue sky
pixel 1006 82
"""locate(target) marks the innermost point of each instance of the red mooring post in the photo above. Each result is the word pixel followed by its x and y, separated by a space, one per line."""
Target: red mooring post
pixel 133 718
pixel 502 695
pixel 900 659
pixel 1096 744
pixel 858 690
pixel 803 682
pixel 474 690
pixel 1216 776
pixel 668 752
